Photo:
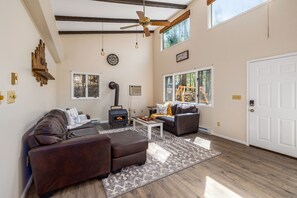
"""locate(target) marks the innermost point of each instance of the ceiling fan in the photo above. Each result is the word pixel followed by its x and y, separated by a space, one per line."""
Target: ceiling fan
pixel 145 22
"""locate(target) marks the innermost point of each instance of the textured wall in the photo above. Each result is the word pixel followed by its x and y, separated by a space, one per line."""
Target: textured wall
pixel 228 47
pixel 82 54
pixel 18 39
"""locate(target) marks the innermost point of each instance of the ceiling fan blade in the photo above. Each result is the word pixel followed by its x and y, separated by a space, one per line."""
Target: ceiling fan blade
pixel 130 26
pixel 146 31
pixel 140 15
pixel 159 23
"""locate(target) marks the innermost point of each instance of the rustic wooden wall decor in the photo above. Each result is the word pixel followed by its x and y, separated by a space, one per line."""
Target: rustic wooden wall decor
pixel 39 65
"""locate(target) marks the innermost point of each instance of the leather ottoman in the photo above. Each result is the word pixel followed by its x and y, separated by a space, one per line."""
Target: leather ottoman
pixel 127 148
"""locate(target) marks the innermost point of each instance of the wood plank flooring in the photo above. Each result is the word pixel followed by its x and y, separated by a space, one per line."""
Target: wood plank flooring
pixel 240 171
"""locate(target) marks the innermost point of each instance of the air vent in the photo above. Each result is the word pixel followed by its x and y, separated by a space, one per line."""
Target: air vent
pixel 134 90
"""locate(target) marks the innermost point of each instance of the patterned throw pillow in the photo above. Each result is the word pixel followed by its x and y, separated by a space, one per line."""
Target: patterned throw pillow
pixel 72 116
pixel 162 109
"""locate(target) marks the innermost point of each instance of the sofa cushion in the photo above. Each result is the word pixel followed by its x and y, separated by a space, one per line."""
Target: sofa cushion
pixel 50 130
pixel 87 125
pixel 79 132
pixel 185 108
pixel 168 120
pixel 127 143
pixel 173 108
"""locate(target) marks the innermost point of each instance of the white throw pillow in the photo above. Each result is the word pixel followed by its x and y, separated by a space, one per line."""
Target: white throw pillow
pixel 69 118
pixel 162 108
pixel 72 116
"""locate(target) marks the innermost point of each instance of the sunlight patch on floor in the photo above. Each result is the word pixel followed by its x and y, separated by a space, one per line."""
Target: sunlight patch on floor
pixel 158 152
pixel 201 142
pixel 214 189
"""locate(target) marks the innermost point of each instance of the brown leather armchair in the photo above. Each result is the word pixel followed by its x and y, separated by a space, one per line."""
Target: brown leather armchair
pixel 185 119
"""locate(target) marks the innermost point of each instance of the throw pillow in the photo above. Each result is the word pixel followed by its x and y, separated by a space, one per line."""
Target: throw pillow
pixel 162 109
pixel 72 116
pixel 169 110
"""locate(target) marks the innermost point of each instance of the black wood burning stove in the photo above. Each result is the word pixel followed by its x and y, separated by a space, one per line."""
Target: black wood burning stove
pixel 117 115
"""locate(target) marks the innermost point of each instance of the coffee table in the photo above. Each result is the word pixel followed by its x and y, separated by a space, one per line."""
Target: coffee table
pixel 149 125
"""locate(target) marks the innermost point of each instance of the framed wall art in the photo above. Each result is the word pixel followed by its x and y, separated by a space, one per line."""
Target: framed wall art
pixel 182 56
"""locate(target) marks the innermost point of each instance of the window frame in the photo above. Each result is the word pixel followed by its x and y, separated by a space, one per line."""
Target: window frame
pixel 196 98
pixel 162 38
pixel 209 13
pixel 86 88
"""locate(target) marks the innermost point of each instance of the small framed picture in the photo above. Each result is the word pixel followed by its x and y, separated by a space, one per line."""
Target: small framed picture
pixel 182 56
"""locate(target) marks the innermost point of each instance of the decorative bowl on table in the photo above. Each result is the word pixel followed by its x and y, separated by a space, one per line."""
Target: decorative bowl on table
pixel 146 118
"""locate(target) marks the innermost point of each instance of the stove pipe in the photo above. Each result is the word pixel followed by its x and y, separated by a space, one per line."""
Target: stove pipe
pixel 113 85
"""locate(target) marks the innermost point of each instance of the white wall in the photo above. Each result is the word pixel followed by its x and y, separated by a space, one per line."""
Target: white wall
pixel 82 54
pixel 228 47
pixel 18 38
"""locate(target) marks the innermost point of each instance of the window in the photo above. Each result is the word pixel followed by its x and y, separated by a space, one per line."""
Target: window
pixel 185 87
pixel 176 34
pixel 85 86
pixel 192 86
pixel 204 86
pixel 223 10
pixel 168 88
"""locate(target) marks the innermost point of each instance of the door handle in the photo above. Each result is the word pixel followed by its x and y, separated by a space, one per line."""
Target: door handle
pixel 252 110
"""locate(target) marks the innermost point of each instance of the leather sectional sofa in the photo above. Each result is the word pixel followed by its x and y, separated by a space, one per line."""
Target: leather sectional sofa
pixel 61 157
pixel 184 119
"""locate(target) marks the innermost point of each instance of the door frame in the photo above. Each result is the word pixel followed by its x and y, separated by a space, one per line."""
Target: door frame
pixel 248 87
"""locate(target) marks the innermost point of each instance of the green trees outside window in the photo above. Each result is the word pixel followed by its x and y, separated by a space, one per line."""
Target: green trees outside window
pixel 177 34
pixel 193 86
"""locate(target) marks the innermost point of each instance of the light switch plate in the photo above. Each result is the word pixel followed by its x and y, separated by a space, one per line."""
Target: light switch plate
pixel 11 97
pixel 1 98
pixel 236 97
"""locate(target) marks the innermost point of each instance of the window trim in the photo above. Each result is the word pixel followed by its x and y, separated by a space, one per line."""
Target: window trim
pixel 211 67
pixel 190 71
pixel 175 22
pixel 209 10
pixel 87 74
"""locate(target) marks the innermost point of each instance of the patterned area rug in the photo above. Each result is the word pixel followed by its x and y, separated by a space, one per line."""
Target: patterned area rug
pixel 165 156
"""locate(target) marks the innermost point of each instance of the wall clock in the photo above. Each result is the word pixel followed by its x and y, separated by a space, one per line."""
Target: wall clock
pixel 112 59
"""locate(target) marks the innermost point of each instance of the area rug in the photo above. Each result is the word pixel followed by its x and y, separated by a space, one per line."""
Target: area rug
pixel 165 156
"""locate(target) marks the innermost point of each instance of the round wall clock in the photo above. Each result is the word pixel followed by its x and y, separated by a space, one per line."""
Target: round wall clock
pixel 112 59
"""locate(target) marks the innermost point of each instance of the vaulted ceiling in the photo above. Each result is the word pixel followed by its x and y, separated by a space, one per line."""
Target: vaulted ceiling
pixel 86 16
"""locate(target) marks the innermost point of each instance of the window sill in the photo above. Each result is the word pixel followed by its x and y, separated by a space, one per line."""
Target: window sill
pixel 98 98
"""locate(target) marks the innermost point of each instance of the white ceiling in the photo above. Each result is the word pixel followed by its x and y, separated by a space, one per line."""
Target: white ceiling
pixel 89 8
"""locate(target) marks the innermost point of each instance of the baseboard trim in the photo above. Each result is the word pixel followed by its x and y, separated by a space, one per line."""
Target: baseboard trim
pixel 103 121
pixel 229 138
pixel 27 187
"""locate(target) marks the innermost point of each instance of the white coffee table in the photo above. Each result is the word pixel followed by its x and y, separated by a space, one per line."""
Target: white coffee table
pixel 149 125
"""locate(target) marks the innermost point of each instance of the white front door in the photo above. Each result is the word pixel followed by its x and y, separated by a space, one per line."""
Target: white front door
pixel 273 116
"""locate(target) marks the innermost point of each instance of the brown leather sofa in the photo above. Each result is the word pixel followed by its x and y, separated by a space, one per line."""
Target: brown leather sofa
pixel 185 119
pixel 60 158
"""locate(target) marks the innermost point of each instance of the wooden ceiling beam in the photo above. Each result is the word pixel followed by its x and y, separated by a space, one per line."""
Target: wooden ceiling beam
pixel 147 3
pixel 209 2
pixel 102 32
pixel 95 19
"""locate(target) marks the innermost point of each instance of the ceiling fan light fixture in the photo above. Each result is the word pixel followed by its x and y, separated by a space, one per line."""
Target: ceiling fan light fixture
pixel 145 22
